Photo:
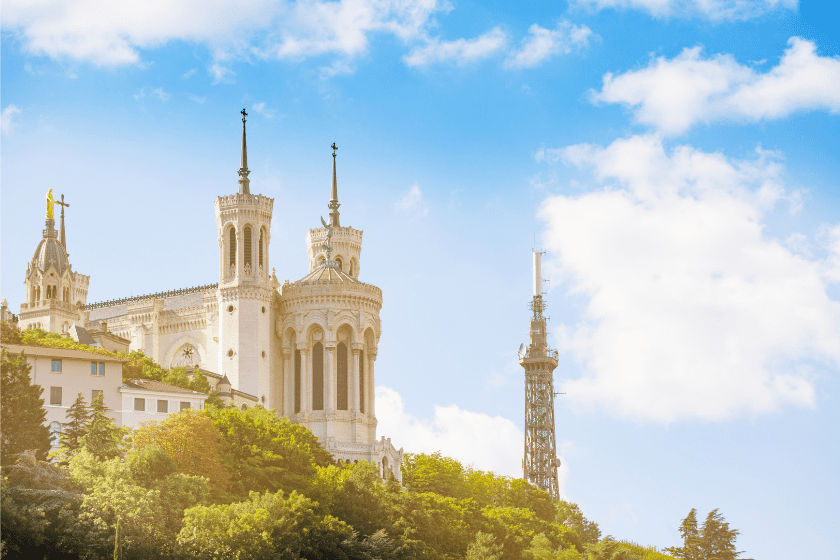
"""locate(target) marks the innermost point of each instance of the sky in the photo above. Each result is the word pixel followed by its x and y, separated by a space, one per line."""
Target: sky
pixel 677 161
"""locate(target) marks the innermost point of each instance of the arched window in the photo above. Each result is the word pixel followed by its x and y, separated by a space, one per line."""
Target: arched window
pixel 384 467
pixel 352 270
pixel 55 433
pixel 338 262
pixel 318 376
pixel 247 246
pixel 362 381
pixel 297 381
pixel 261 247
pixel 341 383
pixel 232 247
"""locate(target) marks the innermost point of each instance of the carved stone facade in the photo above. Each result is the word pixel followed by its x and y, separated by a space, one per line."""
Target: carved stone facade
pixel 306 349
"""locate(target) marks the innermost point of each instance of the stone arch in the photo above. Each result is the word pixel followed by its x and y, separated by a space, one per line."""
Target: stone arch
pixel 262 253
pixel 289 340
pixel 354 268
pixel 339 260
pixel 173 352
pixel 315 339
pixel 248 247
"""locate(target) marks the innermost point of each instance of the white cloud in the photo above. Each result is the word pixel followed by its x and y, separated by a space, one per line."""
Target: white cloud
pixel 471 437
pixel 160 94
pixel 140 95
pixel 189 73
pixel 7 118
pixel 113 33
pixel 692 311
pixel 542 43
pixel 459 51
pixel 220 73
pixel 672 95
pixel 715 10
pixel 196 99
pixel 261 109
pixel 413 202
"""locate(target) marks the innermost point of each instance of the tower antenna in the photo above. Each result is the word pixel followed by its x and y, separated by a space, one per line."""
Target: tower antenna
pixel 539 361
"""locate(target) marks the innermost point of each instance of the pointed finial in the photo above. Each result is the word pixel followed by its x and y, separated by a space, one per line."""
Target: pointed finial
pixel 244 182
pixel 333 205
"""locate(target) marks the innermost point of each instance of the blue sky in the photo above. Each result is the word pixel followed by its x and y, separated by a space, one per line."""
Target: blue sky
pixel 676 160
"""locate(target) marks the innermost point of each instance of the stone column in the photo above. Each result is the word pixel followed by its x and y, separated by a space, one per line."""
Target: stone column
pixel 288 382
pixel 305 379
pixel 157 316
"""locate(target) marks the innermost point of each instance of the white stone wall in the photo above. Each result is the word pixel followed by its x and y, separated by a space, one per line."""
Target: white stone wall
pixel 133 418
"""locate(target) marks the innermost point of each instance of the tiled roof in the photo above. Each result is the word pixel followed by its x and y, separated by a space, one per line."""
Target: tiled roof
pixel 152 385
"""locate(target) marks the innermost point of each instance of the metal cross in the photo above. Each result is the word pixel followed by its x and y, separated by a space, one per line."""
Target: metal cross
pixel 244 114
pixel 63 204
pixel 334 147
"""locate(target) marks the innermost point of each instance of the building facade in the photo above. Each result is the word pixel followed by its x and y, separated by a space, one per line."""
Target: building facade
pixel 306 349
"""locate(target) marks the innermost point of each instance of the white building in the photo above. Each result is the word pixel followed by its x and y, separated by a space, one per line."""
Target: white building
pixel 306 349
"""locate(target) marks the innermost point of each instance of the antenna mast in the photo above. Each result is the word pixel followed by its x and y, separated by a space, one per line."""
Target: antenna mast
pixel 539 361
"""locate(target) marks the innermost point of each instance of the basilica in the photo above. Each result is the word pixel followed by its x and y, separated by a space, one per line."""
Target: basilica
pixel 306 349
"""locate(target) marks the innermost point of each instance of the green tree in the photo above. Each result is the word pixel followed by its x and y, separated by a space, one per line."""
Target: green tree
pixel 266 526
pixel 569 514
pixel 690 550
pixel 484 547
pixel 610 549
pixel 22 413
pixel 353 493
pixel 717 540
pixel 10 333
pixel 266 453
pixel 102 437
pixel 193 443
pixel 435 473
pixel 72 431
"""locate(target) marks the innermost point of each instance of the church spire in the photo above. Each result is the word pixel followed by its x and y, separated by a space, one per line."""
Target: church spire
pixel 333 206
pixel 244 182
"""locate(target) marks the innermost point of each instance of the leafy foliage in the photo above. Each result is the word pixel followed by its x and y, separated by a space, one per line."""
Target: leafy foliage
pixel 266 526
pixel 71 433
pixel 266 453
pixel 484 547
pixel 194 445
pixel 22 413
pixel 714 541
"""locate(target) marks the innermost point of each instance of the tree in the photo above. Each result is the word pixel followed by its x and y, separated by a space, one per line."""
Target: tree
pixel 434 473
pixel 10 333
pixel 22 413
pixel 192 442
pixel 266 453
pixel 72 431
pixel 266 526
pixel 484 547
pixel 717 540
pixel 690 550
pixel 102 437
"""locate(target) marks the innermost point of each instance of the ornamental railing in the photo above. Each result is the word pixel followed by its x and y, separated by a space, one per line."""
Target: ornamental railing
pixel 170 293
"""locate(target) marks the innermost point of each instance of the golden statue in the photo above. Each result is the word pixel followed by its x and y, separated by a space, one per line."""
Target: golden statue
pixel 50 205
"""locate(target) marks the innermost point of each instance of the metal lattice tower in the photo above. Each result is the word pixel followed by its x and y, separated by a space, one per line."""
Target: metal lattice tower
pixel 540 462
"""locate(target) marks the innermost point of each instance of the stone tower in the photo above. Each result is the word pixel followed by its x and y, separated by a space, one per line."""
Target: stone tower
pixel 540 462
pixel 54 293
pixel 243 222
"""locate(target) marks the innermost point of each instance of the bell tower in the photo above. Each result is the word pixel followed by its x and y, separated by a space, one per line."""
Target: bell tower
pixel 243 222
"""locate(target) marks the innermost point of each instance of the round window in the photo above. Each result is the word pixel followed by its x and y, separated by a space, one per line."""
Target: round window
pixel 230 309
pixel 230 353
pixel 263 309
pixel 263 353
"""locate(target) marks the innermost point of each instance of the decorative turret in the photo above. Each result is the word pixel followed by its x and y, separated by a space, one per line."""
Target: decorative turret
pixel 243 222
pixel 54 292
pixel 345 242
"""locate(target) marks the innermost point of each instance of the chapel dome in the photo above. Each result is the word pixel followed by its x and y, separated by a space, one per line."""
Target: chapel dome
pixel 327 273
pixel 50 252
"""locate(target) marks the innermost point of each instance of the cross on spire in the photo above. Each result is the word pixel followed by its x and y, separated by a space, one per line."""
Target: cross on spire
pixel 243 160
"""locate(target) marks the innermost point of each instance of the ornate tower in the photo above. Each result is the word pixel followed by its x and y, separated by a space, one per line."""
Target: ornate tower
pixel 54 293
pixel 540 462
pixel 346 242
pixel 243 222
